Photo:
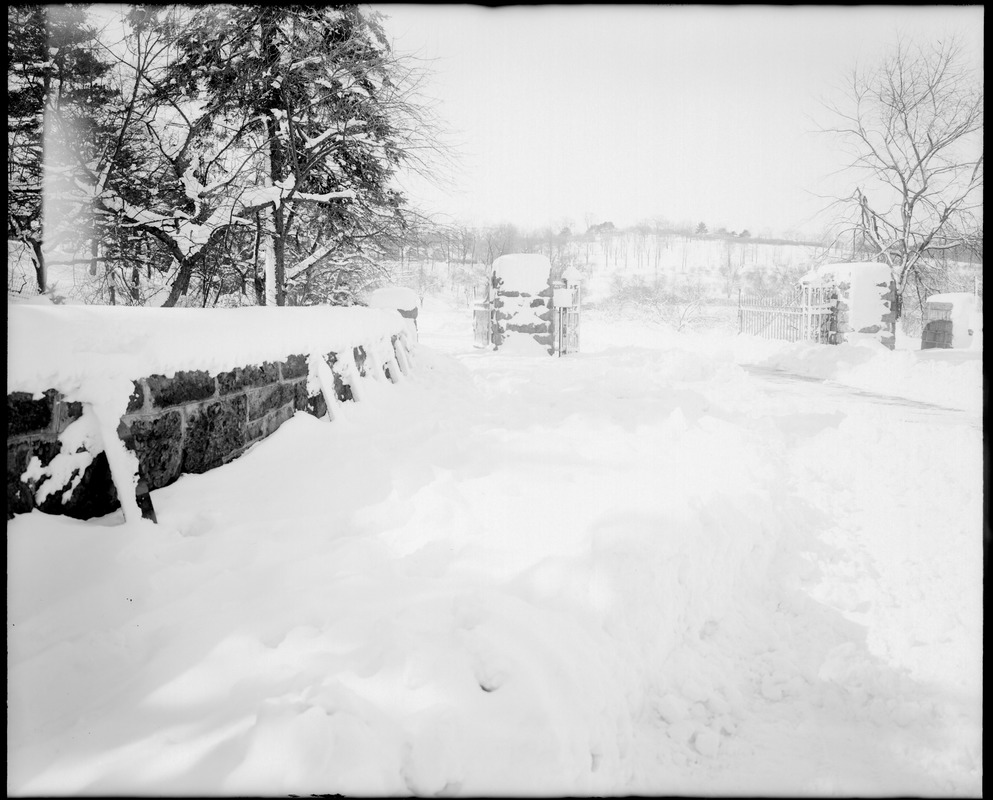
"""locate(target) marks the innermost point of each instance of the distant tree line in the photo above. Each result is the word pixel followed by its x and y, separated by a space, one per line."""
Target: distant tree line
pixel 456 257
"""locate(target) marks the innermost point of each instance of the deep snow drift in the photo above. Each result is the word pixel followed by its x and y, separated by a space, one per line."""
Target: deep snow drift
pixel 640 569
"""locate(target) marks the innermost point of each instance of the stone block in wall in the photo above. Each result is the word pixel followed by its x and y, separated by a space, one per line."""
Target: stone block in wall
pixel 294 367
pixel 28 415
pixel 278 417
pixel 20 495
pixel 255 431
pixel 158 443
pixel 297 393
pixel 248 377
pixel 136 402
pixel 259 429
pixel 95 496
pixel 183 388
pixel 213 431
pixel 262 401
pixel 531 327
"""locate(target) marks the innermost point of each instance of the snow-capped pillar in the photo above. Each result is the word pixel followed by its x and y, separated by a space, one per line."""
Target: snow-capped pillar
pixel 866 300
pixel 522 303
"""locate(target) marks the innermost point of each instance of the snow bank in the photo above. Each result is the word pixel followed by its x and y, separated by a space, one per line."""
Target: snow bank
pixel 77 349
pixel 629 571
pixel 523 273
pixel 951 378
pixel 468 620
pixel 395 297
pixel 945 377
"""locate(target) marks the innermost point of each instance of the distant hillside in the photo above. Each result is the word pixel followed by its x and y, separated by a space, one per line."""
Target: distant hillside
pixel 711 266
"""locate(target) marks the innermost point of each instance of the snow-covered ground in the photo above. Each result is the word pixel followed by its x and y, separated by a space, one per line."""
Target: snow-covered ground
pixel 658 566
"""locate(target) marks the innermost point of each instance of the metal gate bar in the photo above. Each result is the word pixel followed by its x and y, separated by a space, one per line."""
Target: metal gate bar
pixel 804 315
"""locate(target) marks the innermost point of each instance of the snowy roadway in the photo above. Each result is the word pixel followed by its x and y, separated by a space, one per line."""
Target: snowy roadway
pixel 641 569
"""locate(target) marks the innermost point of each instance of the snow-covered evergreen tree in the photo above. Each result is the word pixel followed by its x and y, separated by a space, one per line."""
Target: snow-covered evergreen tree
pixel 320 116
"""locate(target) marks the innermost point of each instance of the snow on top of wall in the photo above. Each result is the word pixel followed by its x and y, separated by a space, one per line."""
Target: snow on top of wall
pixel 395 297
pixel 526 273
pixel 86 352
pixel 955 298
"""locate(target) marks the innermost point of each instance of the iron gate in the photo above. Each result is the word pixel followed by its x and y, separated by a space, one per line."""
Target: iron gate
pixel 566 304
pixel 805 315
pixel 481 321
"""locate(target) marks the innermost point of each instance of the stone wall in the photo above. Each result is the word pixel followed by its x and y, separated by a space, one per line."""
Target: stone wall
pixel 190 422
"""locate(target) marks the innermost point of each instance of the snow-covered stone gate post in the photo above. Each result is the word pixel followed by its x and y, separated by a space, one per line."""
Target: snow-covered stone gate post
pixel 866 300
pixel 522 293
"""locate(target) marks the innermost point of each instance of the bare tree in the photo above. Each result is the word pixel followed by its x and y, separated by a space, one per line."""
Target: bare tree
pixel 913 126
pixel 499 241
pixel 732 268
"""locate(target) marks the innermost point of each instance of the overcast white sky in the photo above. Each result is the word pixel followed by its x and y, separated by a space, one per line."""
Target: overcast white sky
pixel 579 113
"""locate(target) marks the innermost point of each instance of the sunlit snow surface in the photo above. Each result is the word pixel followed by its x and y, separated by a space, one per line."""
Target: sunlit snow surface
pixel 644 568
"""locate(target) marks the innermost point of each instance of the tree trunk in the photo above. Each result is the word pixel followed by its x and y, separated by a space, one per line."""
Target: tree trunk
pixel 279 254
pixel 111 289
pixel 39 265
pixel 181 284
pixel 94 254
